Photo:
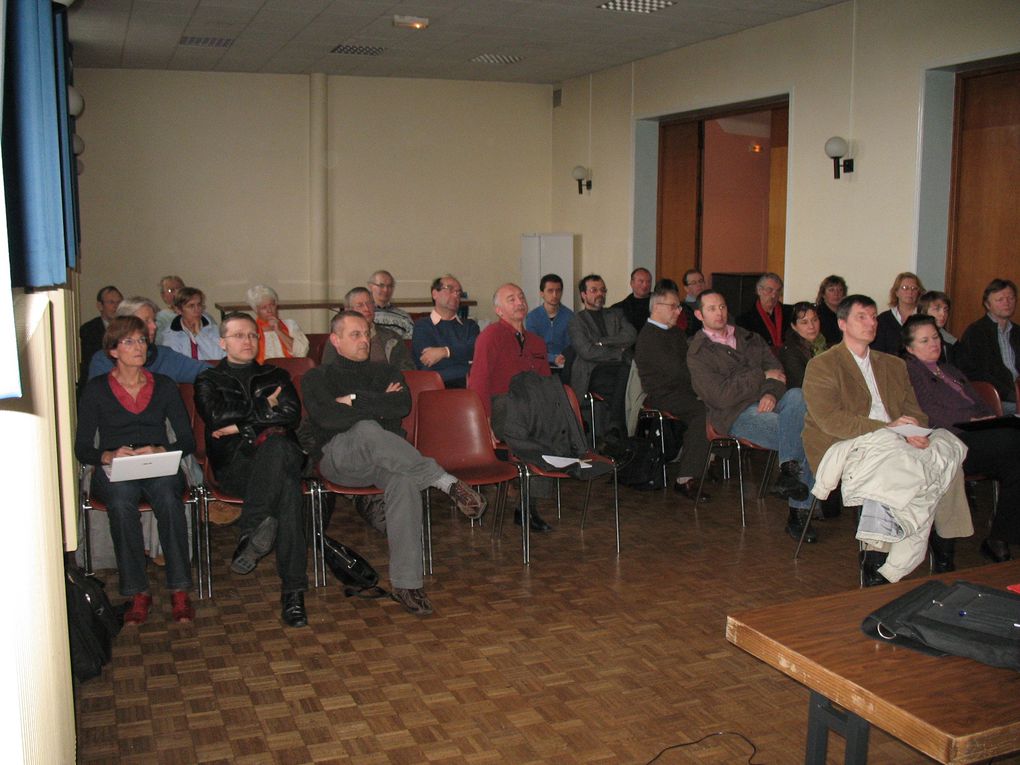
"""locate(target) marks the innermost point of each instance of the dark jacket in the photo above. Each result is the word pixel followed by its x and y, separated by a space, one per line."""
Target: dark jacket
pixel 887 335
pixel 830 324
pixel 943 405
pixel 635 309
pixel 222 400
pixel 978 356
pixel 753 321
pixel 794 356
pixel 90 335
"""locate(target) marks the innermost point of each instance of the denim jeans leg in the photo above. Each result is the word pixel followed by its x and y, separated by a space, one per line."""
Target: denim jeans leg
pixel 121 500
pixel 791 410
pixel 761 428
pixel 165 494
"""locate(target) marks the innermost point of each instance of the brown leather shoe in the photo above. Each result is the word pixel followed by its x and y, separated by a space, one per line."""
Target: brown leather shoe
pixel 223 513
pixel 415 601
pixel 467 500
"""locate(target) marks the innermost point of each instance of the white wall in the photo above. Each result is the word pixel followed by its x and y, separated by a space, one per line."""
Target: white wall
pixel 864 226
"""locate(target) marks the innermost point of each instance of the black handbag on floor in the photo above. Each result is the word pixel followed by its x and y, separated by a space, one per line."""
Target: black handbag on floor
pixel 962 619
pixel 353 571
pixel 92 623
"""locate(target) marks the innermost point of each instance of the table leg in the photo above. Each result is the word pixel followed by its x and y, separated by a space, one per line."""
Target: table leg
pixel 823 716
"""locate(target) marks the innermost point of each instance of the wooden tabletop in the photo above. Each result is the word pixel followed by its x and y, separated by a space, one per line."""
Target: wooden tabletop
pixel 954 710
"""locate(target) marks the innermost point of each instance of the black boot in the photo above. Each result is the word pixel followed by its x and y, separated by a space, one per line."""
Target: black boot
pixel 789 485
pixel 536 522
pixel 871 562
pixel 942 553
pixel 795 526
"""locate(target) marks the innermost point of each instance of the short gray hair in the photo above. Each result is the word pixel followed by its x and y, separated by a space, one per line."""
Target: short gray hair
pixel 765 277
pixel 260 294
pixel 660 295
pixel 355 291
pixel 128 306
pixel 340 318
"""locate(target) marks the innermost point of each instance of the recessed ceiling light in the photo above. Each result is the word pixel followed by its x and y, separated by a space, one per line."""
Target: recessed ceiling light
pixel 207 42
pixel 357 50
pixel 496 58
pixel 410 22
pixel 636 6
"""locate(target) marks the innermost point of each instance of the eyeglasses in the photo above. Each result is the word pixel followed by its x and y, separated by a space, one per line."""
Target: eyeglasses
pixel 451 289
pixel 671 306
pixel 130 342
pixel 909 288
pixel 692 282
pixel 244 336
pixel 382 286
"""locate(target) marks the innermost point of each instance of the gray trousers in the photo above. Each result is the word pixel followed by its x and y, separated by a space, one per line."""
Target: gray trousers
pixel 368 455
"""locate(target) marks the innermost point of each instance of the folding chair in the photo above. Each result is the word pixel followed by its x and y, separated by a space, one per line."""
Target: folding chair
pixel 719 440
pixel 418 380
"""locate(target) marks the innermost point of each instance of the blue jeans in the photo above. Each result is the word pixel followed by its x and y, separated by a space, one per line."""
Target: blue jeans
pixel 165 495
pixel 781 430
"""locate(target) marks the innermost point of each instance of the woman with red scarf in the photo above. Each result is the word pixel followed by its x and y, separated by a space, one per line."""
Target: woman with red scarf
pixel 278 338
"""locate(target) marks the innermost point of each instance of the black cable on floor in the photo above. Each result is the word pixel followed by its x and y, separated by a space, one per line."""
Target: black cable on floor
pixel 750 758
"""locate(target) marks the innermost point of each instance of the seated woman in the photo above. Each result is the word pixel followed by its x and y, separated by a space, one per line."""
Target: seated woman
pixel 947 398
pixel 190 333
pixel 937 305
pixel 830 292
pixel 278 338
pixel 903 295
pixel 804 340
pixel 129 408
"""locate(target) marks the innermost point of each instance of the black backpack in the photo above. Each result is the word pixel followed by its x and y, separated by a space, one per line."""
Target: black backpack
pixel 354 572
pixel 92 623
pixel 643 471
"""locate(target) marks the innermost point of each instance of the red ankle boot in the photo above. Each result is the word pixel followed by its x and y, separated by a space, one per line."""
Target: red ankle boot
pixel 139 611
pixel 183 611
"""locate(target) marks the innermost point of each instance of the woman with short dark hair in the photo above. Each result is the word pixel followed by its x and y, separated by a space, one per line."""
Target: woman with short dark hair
pixel 804 340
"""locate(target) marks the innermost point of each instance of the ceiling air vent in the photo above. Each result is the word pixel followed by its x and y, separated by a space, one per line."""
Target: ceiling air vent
pixel 207 42
pixel 496 58
pixel 636 6
pixel 357 50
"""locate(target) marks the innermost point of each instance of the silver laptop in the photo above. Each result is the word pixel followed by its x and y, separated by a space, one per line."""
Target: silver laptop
pixel 143 466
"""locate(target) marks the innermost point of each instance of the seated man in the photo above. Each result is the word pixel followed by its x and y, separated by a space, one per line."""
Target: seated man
pixel 159 358
pixel 504 349
pixel 251 411
pixel 635 305
pixel 661 358
pixel 768 317
pixel 603 340
pixel 990 347
pixel 91 332
pixel 694 284
pixel 442 341
pixel 854 393
pixel 382 285
pixel 386 346
pixel 551 320
pixel 744 389
pixel 354 411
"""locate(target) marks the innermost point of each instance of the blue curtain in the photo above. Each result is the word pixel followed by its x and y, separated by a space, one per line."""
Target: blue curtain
pixel 38 161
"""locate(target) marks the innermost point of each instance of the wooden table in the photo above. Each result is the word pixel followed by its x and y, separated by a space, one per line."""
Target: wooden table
pixel 952 709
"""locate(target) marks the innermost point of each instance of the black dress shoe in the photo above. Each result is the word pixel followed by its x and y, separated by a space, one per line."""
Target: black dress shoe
pixel 689 489
pixel 795 526
pixel 942 553
pixel 871 562
pixel 789 485
pixel 535 521
pixel 293 613
pixel 996 550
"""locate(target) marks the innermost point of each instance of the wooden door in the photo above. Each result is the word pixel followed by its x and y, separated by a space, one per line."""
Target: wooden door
pixel 984 228
pixel 678 219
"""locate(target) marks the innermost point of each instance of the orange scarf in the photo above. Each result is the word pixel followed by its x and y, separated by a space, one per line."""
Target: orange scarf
pixel 263 329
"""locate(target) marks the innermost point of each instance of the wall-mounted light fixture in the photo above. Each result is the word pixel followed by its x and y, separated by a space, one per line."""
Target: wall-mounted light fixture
pixel 75 102
pixel 410 22
pixel 582 175
pixel 835 149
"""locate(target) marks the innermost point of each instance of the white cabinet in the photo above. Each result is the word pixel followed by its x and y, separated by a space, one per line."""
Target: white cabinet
pixel 543 254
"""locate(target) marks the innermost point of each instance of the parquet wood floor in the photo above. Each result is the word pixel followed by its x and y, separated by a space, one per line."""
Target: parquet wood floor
pixel 581 658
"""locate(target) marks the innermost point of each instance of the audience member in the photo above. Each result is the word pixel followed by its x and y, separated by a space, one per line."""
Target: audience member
pixel 443 341
pixel 949 400
pixel 278 338
pixel 168 287
pixel 551 320
pixel 661 358
pixel 503 350
pixel 191 333
pixel 804 341
pixel 386 345
pixel 251 411
pixel 768 317
pixel 855 396
pixel 744 389
pixel 937 304
pixel 903 296
pixel 382 285
pixel 990 347
pixel 159 359
pixel 354 411
pixel 635 305
pixel 129 409
pixel 602 339
pixel 831 291
pixel 694 285
pixel 90 334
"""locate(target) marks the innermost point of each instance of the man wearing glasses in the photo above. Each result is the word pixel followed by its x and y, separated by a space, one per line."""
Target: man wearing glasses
pixel 382 285
pixel 251 411
pixel 442 341
pixel 694 284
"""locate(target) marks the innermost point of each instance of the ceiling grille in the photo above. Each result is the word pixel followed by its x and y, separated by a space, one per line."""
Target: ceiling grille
pixel 636 6
pixel 357 50
pixel 496 58
pixel 207 42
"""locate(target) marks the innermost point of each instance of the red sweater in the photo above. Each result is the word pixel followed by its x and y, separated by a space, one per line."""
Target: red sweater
pixel 498 357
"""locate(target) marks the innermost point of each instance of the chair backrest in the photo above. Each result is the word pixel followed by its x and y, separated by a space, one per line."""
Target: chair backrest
pixel 453 429
pixel 316 345
pixel 293 366
pixel 418 381
pixel 198 429
pixel 989 395
pixel 574 404
pixel 187 391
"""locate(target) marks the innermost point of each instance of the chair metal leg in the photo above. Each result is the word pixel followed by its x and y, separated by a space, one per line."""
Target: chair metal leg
pixel 740 483
pixel 526 516
pixel 616 509
pixel 662 451
pixel 204 522
pixel 770 464
pixel 704 472
pixel 197 554
pixel 86 537
pixel 426 535
pixel 559 506
pixel 807 523
pixel 584 510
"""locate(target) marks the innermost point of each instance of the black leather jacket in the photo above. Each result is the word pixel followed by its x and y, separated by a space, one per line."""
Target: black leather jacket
pixel 221 400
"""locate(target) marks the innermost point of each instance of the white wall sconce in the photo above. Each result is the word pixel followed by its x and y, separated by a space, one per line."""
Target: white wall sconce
pixel 835 149
pixel 75 102
pixel 582 175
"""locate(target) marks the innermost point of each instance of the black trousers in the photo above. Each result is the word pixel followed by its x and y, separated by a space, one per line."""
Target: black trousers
pixel 996 453
pixel 269 481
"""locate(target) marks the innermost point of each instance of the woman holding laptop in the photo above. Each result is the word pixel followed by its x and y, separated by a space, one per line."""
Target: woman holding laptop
pixel 129 409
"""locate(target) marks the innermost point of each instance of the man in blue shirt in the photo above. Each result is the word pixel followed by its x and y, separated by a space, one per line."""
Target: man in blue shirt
pixel 442 341
pixel 550 320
